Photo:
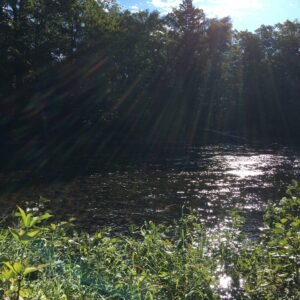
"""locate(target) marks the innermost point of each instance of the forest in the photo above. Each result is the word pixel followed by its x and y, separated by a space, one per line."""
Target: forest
pixel 84 75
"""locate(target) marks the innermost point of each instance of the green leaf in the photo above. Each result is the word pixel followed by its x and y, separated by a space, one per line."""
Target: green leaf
pixel 8 274
pixel 42 266
pixel 296 223
pixel 33 233
pixel 23 216
pixel 28 220
pixel 150 296
pixel 34 221
pixel 45 216
pixel 163 275
pixel 64 223
pixel 10 266
pixel 15 234
pixel 18 267
pixel 53 226
pixel 295 183
pixel 30 270
pixel 24 293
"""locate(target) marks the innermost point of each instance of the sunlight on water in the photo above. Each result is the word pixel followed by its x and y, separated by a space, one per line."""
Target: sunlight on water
pixel 243 173
pixel 247 166
pixel 225 282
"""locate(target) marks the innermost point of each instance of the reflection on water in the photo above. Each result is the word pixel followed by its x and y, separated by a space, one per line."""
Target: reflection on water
pixel 225 282
pixel 214 180
pixel 247 166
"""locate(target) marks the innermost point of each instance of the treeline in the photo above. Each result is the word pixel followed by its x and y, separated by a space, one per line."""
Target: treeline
pixel 74 72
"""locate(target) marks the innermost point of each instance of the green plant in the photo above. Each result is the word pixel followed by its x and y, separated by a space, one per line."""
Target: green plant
pixel 45 261
pixel 270 267
pixel 15 272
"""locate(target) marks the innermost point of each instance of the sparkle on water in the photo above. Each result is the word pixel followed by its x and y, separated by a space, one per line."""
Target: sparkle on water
pixel 246 166
pixel 225 282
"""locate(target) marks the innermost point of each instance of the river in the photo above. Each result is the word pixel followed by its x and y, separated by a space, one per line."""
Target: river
pixel 212 179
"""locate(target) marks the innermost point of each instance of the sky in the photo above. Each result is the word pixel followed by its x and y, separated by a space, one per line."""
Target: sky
pixel 245 14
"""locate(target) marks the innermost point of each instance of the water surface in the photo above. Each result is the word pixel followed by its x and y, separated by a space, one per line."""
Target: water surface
pixel 212 179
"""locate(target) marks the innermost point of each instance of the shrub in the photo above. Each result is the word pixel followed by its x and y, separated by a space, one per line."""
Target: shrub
pixel 44 260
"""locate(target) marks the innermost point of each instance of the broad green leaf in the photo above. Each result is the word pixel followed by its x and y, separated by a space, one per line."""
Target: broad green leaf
pixel 28 220
pixel 10 266
pixel 33 233
pixel 8 274
pixel 24 293
pixel 18 267
pixel 23 215
pixel 30 270
pixel 33 221
pixel 45 216
pixel 296 223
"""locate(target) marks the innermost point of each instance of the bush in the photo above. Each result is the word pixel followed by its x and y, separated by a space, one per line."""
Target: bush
pixel 44 260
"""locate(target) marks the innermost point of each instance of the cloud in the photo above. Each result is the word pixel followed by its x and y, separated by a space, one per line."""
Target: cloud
pixel 165 5
pixel 134 8
pixel 233 8
pixel 291 4
pixel 215 8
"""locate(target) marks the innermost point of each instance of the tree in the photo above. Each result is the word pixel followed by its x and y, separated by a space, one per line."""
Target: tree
pixel 187 18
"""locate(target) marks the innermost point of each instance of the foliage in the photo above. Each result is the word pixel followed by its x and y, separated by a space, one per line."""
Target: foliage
pixel 271 267
pixel 43 260
pixel 80 72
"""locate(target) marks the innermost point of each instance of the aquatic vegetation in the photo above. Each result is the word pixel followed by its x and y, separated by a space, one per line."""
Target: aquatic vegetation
pixel 45 260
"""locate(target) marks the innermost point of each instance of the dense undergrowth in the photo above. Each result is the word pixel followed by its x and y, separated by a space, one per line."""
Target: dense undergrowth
pixel 43 260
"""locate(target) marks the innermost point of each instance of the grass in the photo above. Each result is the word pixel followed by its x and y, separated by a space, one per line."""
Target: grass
pixel 44 260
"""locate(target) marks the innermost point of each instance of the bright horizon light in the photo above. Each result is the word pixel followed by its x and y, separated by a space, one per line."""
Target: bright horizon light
pixel 245 14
